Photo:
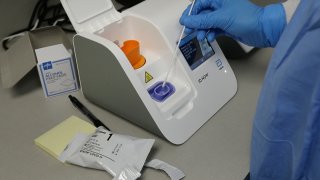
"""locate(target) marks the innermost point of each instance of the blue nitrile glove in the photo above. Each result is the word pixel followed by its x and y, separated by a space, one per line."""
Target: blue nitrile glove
pixel 239 19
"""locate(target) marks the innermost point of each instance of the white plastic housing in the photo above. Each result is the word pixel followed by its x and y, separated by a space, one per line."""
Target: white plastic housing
pixel 200 93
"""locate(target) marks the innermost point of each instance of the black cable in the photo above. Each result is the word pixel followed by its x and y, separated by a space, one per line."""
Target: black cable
pixel 42 12
pixel 4 43
pixel 46 15
pixel 32 19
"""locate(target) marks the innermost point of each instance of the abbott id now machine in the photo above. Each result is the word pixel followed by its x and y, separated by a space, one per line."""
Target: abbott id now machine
pixel 124 58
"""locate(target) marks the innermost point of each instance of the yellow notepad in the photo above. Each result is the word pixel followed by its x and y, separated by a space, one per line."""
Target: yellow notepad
pixel 56 139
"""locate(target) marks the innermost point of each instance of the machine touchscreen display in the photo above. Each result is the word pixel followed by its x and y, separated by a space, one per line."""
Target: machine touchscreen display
pixel 194 51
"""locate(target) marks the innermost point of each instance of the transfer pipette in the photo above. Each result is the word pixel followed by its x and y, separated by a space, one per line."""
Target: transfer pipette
pixel 174 57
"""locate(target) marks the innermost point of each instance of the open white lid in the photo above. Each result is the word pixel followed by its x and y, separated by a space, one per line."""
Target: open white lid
pixel 90 15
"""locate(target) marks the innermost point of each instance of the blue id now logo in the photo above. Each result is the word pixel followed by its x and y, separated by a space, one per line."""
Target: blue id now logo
pixel 47 65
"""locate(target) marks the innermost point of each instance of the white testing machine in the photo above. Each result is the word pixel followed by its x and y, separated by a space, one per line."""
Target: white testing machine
pixel 198 86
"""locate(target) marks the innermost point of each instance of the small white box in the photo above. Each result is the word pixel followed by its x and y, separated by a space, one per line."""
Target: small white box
pixel 56 70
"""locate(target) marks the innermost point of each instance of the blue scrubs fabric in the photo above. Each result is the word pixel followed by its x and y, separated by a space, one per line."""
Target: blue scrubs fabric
pixel 286 128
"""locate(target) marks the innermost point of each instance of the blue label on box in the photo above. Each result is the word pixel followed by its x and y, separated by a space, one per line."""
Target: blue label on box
pixel 47 65
pixel 58 77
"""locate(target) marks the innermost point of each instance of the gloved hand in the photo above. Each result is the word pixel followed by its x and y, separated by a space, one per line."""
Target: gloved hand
pixel 239 19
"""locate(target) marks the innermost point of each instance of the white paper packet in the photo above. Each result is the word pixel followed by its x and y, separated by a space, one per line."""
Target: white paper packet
pixel 108 151
pixel 127 173
pixel 173 172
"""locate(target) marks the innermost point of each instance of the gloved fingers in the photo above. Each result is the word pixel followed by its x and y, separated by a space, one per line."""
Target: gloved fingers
pixel 213 34
pixel 185 14
pixel 201 34
pixel 188 30
pixel 203 20
pixel 201 5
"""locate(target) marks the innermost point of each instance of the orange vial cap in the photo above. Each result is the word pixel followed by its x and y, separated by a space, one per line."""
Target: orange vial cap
pixel 131 49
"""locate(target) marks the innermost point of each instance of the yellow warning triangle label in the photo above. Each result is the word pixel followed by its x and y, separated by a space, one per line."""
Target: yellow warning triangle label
pixel 148 77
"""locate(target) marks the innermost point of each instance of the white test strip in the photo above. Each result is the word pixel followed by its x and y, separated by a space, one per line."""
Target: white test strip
pixel 173 172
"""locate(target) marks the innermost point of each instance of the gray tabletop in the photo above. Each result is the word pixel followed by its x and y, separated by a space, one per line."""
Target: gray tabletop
pixel 219 150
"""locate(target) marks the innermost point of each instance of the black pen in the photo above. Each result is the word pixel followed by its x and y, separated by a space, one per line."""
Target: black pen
pixel 86 112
